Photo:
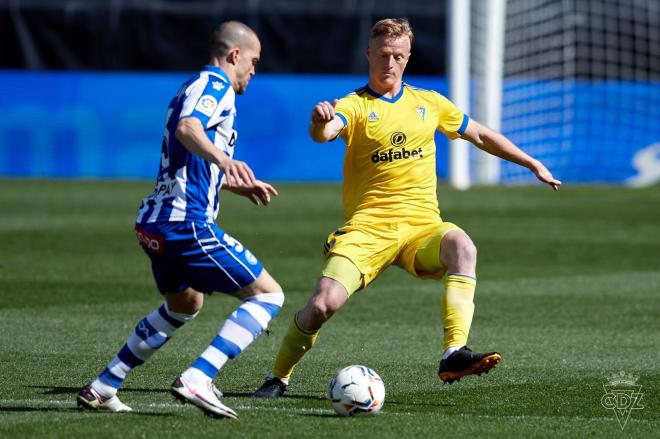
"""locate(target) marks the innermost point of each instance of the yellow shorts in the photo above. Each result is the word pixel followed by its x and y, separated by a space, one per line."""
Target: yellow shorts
pixel 374 246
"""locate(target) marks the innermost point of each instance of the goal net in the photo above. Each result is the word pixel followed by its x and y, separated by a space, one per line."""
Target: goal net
pixel 575 83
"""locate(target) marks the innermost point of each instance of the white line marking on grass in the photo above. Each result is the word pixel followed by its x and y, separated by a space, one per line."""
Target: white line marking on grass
pixel 158 405
pixel 38 401
pixel 300 410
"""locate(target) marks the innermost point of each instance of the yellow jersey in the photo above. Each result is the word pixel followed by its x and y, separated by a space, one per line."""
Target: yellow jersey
pixel 389 164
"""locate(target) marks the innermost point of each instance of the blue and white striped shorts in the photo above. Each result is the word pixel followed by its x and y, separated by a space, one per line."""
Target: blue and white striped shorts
pixel 196 254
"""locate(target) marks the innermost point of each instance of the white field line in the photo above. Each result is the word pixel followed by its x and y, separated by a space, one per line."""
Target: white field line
pixel 157 405
pixel 171 405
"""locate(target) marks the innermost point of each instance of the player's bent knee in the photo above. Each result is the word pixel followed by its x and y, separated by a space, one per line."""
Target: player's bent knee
pixel 458 253
pixel 266 284
pixel 329 298
pixel 186 302
pixel 460 244
pixel 467 250
pixel 262 285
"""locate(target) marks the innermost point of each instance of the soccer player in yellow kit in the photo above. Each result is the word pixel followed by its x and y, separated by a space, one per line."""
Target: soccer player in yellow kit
pixel 391 207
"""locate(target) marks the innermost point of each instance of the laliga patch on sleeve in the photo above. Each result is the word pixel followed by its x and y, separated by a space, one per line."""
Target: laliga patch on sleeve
pixel 206 105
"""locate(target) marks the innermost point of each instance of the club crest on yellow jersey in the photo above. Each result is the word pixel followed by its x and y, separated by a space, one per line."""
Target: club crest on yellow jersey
pixel 421 110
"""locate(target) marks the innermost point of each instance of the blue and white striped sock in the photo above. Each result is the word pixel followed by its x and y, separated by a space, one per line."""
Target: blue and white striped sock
pixel 150 334
pixel 239 330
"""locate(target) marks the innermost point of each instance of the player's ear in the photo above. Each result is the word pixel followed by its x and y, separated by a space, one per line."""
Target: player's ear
pixel 232 56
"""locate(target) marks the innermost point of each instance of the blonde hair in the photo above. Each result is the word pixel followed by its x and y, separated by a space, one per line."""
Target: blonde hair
pixel 393 28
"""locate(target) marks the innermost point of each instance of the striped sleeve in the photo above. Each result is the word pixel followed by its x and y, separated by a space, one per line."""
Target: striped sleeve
pixel 204 98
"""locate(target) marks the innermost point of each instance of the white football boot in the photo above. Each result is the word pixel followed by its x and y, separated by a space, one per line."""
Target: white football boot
pixel 216 391
pixel 204 396
pixel 88 398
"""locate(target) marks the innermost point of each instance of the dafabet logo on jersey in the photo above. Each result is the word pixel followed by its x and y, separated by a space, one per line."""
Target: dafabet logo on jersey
pixel 397 152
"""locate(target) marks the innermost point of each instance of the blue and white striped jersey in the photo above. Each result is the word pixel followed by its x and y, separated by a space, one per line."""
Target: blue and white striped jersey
pixel 187 185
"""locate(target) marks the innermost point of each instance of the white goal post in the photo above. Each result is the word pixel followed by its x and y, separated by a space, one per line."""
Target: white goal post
pixel 476 29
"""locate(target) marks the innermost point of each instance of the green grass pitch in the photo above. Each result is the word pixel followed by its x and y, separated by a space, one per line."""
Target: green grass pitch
pixel 568 293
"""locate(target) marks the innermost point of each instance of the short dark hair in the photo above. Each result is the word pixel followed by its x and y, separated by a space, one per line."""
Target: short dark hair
pixel 228 35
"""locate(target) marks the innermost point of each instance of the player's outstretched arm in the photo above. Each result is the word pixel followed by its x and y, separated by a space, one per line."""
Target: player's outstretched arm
pixel 190 133
pixel 497 144
pixel 325 124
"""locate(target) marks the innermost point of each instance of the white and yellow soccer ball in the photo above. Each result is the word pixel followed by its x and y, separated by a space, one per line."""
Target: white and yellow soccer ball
pixel 356 391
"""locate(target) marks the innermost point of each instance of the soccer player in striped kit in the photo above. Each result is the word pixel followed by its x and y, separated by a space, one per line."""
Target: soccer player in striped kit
pixel 190 255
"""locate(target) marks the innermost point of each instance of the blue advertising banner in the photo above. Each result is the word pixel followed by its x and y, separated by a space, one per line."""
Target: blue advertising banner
pixel 110 125
pixel 100 125
pixel 591 132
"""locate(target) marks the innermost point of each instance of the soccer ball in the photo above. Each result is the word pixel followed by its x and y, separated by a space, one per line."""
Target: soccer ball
pixel 356 390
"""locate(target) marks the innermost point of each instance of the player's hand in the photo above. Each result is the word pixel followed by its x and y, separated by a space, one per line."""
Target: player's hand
pixel 237 173
pixel 545 176
pixel 262 192
pixel 259 193
pixel 324 111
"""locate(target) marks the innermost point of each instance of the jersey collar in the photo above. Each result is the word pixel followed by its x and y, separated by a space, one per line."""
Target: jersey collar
pixel 217 70
pixel 379 96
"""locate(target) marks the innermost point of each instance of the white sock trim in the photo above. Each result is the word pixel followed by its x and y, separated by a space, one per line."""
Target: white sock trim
pixel 183 318
pixel 270 375
pixel 276 298
pixel 195 376
pixel 104 390
pixel 462 275
pixel 450 350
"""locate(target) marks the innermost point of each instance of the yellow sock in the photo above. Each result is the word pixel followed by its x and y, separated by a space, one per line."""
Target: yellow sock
pixel 295 344
pixel 457 306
